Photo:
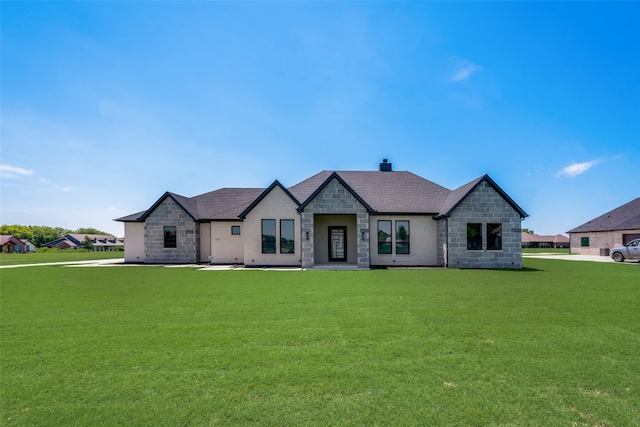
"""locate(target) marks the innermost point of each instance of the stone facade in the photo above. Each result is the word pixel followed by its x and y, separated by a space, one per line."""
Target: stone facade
pixel 335 199
pixel 485 206
pixel 187 249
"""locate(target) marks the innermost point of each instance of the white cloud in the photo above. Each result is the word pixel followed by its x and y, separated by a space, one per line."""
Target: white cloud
pixel 8 171
pixel 461 69
pixel 575 169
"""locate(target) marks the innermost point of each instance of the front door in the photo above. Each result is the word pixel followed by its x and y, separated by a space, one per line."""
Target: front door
pixel 338 244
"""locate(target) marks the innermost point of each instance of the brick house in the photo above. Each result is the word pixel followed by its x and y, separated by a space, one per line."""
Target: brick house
pixel 363 219
pixel 530 240
pixel 10 244
pixel 614 228
pixel 100 242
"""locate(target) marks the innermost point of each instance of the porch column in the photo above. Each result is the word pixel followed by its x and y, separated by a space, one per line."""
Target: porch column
pixel 306 244
pixel 363 240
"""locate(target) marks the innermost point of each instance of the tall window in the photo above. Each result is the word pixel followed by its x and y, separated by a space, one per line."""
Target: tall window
pixel 287 239
pixel 268 236
pixel 402 237
pixel 494 237
pixel 170 237
pixel 474 237
pixel 384 237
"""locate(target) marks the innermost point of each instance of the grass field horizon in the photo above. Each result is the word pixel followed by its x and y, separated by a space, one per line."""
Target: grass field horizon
pixel 557 343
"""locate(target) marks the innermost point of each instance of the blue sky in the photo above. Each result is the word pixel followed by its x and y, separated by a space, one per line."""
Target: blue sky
pixel 107 105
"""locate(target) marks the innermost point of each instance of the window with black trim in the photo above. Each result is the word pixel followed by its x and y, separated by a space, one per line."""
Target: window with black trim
pixel 474 237
pixel 584 241
pixel 235 230
pixel 287 237
pixel 384 237
pixel 170 237
pixel 268 236
pixel 494 237
pixel 402 237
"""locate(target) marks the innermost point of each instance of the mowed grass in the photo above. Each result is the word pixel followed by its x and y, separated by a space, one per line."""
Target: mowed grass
pixel 559 251
pixel 556 344
pixel 68 255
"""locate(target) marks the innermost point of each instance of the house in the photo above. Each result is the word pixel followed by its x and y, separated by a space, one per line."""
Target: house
pixel 530 240
pixel 614 228
pixel 362 219
pixel 11 244
pixel 100 242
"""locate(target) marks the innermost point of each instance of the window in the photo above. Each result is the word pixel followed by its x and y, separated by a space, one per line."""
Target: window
pixel 474 237
pixel 268 236
pixel 402 237
pixel 584 241
pixel 170 237
pixel 494 237
pixel 287 244
pixel 384 237
pixel 235 230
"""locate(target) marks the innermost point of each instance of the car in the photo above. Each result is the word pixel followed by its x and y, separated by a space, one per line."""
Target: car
pixel 629 251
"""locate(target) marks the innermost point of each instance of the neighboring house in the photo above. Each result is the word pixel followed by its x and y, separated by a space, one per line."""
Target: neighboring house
pixel 530 240
pixel 28 246
pixel 359 218
pixel 101 242
pixel 614 228
pixel 11 244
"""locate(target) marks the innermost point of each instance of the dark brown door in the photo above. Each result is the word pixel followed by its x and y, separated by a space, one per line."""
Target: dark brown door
pixel 338 244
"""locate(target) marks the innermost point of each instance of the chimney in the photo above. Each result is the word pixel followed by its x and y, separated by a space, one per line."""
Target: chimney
pixel 385 166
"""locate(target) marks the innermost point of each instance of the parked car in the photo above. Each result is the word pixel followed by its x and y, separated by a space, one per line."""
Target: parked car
pixel 629 251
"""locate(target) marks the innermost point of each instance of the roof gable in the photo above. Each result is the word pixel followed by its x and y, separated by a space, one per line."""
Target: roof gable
pixel 457 196
pixel 6 238
pixel 264 194
pixel 342 182
pixel 187 205
pixel 625 217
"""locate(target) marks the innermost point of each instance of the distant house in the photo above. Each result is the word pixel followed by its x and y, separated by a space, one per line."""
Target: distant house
pixel 362 219
pixel 100 242
pixel 530 240
pixel 613 228
pixel 11 244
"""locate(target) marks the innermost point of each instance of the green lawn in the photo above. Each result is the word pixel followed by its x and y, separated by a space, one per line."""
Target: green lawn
pixel 560 251
pixel 556 344
pixel 57 256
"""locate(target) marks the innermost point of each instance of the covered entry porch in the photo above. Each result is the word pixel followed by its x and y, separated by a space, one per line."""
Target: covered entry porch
pixel 335 241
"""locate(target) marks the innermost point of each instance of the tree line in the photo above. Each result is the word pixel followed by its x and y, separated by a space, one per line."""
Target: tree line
pixel 39 235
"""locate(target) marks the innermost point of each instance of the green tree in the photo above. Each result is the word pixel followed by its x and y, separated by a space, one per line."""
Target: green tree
pixel 90 230
pixel 87 243
pixel 19 231
pixel 43 234
pixel 526 230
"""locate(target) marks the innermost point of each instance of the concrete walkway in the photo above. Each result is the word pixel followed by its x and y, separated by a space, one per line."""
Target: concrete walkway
pixel 95 262
pixel 204 267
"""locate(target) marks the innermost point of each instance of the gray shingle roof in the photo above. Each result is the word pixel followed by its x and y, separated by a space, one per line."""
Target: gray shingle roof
pixel 222 204
pixel 384 192
pixel 381 192
pixel 625 217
